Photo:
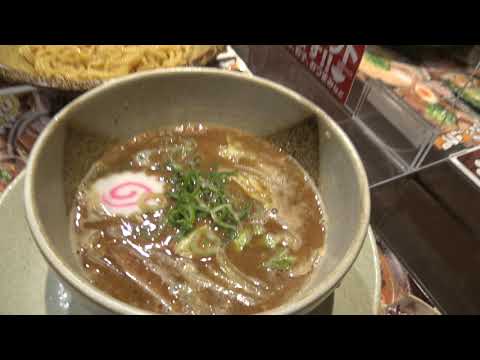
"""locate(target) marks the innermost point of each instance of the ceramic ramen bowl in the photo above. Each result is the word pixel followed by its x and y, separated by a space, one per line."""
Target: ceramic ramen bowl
pixel 124 107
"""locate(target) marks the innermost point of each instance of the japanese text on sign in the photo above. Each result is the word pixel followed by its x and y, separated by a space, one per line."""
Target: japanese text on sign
pixel 334 65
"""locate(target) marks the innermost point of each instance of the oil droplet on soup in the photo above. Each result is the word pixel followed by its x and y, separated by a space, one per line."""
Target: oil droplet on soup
pixel 198 220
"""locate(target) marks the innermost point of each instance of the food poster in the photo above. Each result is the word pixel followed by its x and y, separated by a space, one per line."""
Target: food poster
pixel 398 286
pixel 468 163
pixel 24 112
pixel 442 93
pixel 335 66
pixel 229 60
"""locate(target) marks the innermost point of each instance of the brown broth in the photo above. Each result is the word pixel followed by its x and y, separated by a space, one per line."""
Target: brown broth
pixel 118 253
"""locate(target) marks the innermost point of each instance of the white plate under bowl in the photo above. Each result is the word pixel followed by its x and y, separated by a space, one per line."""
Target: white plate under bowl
pixel 27 286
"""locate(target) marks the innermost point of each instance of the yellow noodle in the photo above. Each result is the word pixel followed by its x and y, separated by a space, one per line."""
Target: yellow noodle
pixel 92 62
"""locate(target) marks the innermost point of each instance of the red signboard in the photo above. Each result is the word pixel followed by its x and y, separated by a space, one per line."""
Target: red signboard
pixel 334 65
